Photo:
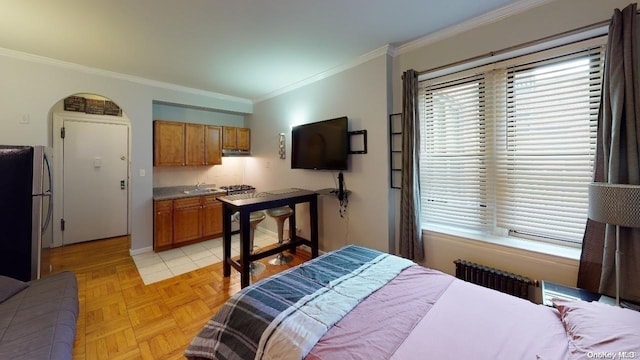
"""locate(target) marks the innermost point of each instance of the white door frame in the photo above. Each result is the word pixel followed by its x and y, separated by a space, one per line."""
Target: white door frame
pixel 58 163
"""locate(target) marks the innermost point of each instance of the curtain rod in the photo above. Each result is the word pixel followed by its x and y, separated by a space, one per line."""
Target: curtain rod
pixel 519 46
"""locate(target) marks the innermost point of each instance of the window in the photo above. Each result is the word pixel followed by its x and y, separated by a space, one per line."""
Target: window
pixel 508 148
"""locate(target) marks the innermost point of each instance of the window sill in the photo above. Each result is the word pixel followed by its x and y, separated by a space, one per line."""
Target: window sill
pixel 561 251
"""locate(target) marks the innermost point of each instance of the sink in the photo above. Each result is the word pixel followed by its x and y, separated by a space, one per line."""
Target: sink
pixel 201 191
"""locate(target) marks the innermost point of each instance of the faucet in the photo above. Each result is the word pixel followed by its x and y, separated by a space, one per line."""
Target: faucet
pixel 198 183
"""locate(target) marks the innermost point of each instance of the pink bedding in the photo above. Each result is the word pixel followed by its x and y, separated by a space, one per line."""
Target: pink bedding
pixel 368 333
pixel 359 303
pixel 425 314
pixel 471 322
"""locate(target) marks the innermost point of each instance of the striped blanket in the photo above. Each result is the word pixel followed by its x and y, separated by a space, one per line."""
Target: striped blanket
pixel 283 316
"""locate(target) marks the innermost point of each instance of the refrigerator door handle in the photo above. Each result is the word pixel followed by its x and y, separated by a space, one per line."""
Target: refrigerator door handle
pixel 49 174
pixel 48 193
pixel 47 220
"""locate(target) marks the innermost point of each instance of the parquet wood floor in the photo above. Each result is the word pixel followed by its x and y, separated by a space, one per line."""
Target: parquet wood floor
pixel 121 318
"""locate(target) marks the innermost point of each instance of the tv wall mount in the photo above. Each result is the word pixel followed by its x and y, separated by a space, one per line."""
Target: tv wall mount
pixel 362 149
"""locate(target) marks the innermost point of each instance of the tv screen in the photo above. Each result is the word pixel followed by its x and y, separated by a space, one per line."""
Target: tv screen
pixel 322 145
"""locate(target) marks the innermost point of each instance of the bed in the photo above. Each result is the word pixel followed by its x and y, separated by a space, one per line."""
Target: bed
pixel 359 303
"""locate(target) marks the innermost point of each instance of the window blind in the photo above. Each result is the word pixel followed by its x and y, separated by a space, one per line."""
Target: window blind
pixel 453 174
pixel 546 145
pixel 510 146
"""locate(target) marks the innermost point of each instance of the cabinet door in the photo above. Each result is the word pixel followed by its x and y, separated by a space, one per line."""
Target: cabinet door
pixel 168 143
pixel 186 220
pixel 194 149
pixel 162 224
pixel 213 145
pixel 243 139
pixel 212 217
pixel 229 138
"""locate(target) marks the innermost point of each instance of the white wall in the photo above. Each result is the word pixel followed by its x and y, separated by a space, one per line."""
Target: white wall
pixel 230 172
pixel 360 94
pixel 31 86
pixel 547 20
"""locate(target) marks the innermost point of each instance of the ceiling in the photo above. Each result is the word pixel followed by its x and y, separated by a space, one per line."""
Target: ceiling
pixel 242 48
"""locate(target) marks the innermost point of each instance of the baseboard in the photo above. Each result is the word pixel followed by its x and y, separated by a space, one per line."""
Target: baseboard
pixel 147 249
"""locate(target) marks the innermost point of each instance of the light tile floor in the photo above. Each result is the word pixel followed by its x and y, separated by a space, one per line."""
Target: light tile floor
pixel 154 267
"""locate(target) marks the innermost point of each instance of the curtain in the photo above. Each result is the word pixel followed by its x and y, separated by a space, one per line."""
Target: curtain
pixel 617 161
pixel 411 245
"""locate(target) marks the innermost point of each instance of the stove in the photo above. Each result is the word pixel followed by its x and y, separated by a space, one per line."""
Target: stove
pixel 238 189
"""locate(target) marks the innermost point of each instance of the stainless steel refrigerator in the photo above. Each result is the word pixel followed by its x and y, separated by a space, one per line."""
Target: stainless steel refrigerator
pixel 25 211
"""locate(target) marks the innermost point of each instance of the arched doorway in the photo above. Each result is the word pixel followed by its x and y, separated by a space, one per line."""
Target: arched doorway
pixel 91 151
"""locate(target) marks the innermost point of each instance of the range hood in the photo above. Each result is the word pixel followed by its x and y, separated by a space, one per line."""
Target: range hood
pixel 226 152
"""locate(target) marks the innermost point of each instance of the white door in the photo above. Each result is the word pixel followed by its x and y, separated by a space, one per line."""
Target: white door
pixel 95 189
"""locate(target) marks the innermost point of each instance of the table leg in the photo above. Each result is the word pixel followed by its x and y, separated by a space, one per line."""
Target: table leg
pixel 293 234
pixel 226 240
pixel 313 214
pixel 245 263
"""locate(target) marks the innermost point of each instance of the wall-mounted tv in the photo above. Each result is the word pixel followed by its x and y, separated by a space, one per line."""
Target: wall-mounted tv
pixel 322 145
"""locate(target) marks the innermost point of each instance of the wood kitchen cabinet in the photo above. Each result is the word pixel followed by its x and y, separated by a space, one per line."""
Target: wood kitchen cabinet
pixel 194 145
pixel 235 138
pixel 162 224
pixel 213 145
pixel 185 144
pixel 243 139
pixel 211 217
pixel 168 143
pixel 187 220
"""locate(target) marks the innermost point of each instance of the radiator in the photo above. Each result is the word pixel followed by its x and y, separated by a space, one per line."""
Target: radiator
pixel 503 281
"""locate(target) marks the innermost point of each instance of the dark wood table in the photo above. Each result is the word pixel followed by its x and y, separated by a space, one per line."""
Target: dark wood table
pixel 245 204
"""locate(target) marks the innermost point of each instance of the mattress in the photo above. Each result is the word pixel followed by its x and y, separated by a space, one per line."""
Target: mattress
pixel 359 303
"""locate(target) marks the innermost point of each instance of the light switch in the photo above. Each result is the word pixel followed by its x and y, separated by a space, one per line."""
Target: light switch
pixel 143 173
pixel 97 162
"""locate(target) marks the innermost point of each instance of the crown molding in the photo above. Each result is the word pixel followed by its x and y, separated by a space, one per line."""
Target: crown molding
pixel 484 19
pixel 383 50
pixel 114 75
pixel 389 49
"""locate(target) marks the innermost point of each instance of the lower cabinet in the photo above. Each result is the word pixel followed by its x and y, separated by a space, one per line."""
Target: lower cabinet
pixel 187 220
pixel 184 221
pixel 162 224
pixel 211 217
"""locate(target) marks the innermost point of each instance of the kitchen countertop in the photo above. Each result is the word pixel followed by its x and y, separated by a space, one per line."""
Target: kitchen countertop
pixel 177 192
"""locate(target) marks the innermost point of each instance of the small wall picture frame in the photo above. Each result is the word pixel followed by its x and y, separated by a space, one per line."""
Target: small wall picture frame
pixel 282 147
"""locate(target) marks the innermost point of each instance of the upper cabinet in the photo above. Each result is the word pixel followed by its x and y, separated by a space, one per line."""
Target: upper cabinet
pixel 243 139
pixel 182 144
pixel 213 145
pixel 194 147
pixel 168 143
pixel 235 138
